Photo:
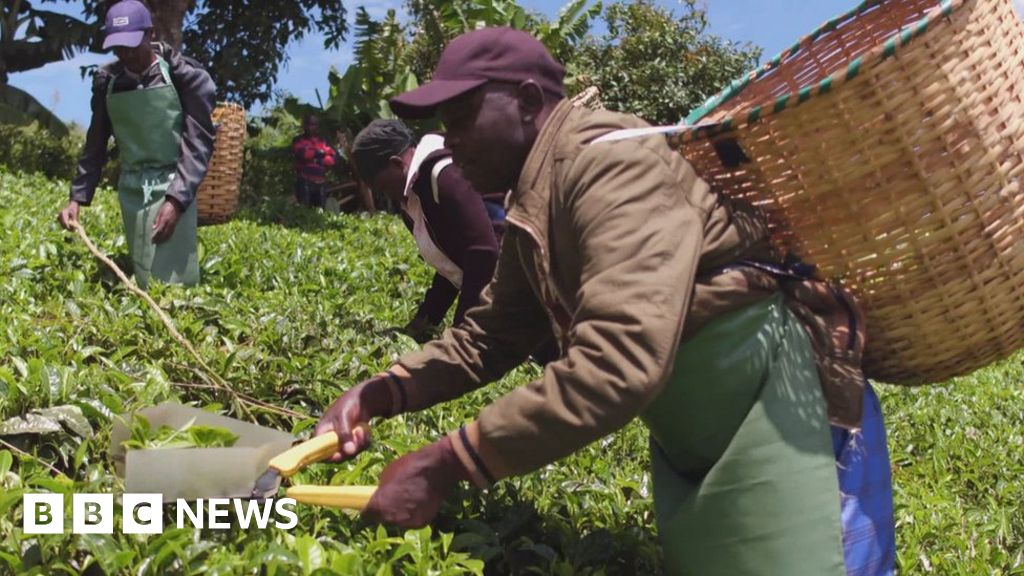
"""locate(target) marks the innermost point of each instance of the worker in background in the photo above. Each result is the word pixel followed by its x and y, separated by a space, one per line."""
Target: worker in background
pixel 448 219
pixel 313 158
pixel 157 105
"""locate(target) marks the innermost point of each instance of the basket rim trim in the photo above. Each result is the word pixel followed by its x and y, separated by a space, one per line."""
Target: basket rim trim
pixel 692 129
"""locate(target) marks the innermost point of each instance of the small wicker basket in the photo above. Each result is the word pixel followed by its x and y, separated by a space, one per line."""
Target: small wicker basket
pixel 887 148
pixel 217 198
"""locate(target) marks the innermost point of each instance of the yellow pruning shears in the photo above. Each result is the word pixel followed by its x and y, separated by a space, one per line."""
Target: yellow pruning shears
pixel 298 457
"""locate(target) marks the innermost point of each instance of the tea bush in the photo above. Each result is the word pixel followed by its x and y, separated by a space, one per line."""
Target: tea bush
pixel 295 306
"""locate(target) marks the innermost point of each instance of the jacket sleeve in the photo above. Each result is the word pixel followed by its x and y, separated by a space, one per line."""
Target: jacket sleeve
pixel 94 152
pixel 198 96
pixel 639 239
pixel 495 337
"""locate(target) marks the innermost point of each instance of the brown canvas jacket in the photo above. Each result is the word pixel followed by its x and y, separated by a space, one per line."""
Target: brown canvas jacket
pixel 617 248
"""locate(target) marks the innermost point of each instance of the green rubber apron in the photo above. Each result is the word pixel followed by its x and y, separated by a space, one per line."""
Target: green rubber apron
pixel 147 125
pixel 744 472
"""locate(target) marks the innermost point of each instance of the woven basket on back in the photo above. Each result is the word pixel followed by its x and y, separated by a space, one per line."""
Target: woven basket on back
pixel 217 198
pixel 887 148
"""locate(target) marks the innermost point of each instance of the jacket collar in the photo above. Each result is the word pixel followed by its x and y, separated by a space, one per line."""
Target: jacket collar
pixel 529 202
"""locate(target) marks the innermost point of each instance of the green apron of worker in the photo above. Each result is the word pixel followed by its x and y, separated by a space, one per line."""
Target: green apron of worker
pixel 744 471
pixel 147 125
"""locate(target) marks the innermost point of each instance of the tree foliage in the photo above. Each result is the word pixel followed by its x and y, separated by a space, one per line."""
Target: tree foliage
pixel 31 37
pixel 657 65
pixel 241 44
pixel 360 93
pixel 436 22
pixel 572 25
pixel 649 62
pixel 391 57
pixel 244 46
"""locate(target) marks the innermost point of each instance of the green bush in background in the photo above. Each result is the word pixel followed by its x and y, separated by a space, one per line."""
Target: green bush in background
pixel 267 171
pixel 32 149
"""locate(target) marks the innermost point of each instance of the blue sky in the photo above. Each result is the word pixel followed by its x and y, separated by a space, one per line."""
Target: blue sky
pixel 771 24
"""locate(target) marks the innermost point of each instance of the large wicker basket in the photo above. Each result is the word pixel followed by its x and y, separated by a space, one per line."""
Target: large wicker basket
pixel 217 198
pixel 887 148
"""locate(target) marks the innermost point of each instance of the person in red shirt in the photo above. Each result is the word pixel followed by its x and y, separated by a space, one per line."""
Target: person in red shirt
pixel 313 157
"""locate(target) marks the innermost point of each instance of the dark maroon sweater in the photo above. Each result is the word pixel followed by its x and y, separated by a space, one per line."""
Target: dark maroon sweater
pixel 459 226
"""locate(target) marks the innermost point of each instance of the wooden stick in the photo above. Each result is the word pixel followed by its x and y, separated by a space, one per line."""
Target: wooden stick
pixel 214 381
pixel 141 294
pixel 24 454
pixel 245 398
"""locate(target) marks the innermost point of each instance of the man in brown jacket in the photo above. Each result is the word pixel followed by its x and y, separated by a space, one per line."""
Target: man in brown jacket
pixel 619 249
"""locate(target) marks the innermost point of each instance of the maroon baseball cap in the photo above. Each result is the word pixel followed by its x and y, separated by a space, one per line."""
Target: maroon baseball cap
pixel 474 58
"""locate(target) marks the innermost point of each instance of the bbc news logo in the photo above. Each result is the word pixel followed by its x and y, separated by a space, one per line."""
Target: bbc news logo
pixel 144 513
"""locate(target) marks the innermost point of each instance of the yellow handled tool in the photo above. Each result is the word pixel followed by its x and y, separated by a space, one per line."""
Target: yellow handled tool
pixel 350 497
pixel 298 457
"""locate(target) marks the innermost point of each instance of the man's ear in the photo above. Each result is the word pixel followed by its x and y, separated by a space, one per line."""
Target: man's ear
pixel 531 100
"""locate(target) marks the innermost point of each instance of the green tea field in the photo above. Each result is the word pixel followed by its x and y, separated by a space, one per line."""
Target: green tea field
pixel 294 307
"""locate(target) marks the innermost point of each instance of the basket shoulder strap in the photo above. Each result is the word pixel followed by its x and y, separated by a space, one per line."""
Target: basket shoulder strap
pixel 627 133
pixel 435 173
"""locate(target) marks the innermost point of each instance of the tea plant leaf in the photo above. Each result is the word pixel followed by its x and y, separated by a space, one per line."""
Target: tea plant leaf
pixel 70 416
pixel 211 436
pixel 30 424
pixel 311 554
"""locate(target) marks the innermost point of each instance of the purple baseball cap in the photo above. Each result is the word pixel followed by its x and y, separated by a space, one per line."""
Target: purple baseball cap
pixel 474 58
pixel 127 22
